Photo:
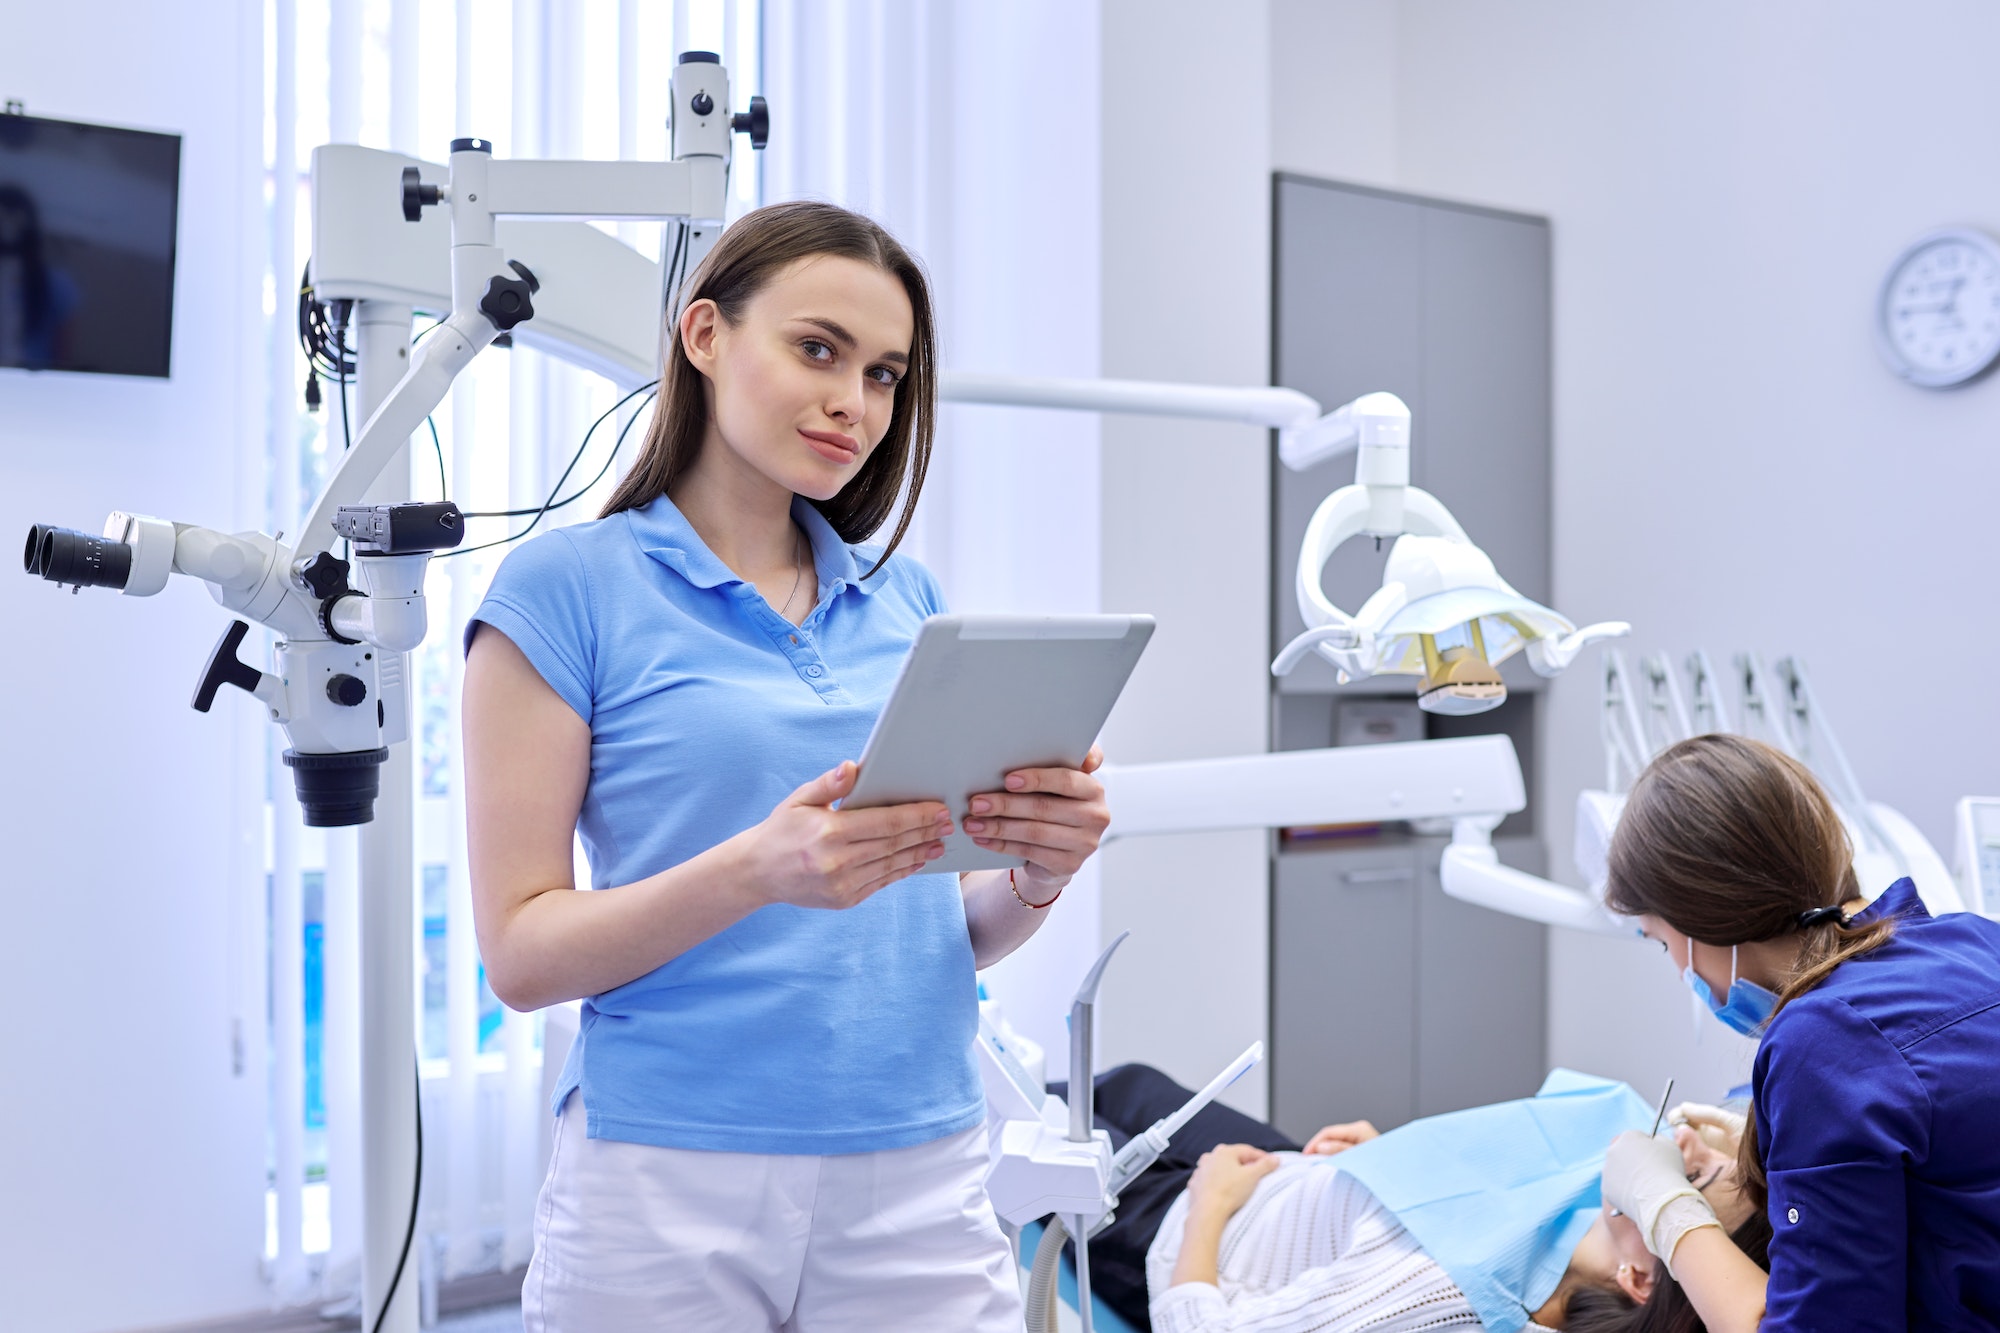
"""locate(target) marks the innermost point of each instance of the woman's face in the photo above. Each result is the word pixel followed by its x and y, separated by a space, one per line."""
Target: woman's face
pixel 802 388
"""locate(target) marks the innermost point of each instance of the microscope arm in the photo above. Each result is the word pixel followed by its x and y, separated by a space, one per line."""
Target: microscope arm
pixel 438 360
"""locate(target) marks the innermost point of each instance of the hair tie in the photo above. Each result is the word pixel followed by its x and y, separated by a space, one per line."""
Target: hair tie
pixel 1807 920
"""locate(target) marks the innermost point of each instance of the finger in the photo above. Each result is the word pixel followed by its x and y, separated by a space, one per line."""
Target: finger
pixel 1064 780
pixel 905 860
pixel 862 850
pixel 1265 1165
pixel 889 821
pixel 1048 807
pixel 829 786
pixel 1048 861
pixel 880 875
pixel 1094 760
pixel 1033 833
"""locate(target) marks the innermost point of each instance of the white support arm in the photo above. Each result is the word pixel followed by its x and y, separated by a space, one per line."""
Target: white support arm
pixel 1350 784
pixel 1271 407
pixel 437 362
pixel 1471 872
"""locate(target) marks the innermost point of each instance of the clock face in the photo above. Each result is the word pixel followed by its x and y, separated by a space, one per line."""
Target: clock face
pixel 1938 321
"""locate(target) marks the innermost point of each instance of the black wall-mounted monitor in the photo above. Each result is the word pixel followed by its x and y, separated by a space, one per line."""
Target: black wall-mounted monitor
pixel 87 229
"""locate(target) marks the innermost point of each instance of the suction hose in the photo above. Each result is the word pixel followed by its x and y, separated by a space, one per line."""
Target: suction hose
pixel 1043 1280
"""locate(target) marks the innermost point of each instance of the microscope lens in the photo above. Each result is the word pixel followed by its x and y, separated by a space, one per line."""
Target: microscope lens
pixel 64 555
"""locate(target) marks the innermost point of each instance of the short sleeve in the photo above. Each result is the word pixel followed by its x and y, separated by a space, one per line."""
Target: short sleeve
pixel 540 599
pixel 929 592
pixel 1840 1119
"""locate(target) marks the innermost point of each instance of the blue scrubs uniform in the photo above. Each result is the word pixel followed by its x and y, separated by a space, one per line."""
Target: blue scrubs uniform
pixel 1878 1115
pixel 794 1030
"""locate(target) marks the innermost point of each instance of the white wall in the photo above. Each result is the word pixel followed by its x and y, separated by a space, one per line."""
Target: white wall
pixel 1186 273
pixel 1734 467
pixel 131 1153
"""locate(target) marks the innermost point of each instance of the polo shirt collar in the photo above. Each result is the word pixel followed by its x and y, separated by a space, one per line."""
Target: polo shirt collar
pixel 1899 899
pixel 664 533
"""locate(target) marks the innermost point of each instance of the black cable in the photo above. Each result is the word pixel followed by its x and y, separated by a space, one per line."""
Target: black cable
pixel 552 502
pixel 416 1194
pixel 444 487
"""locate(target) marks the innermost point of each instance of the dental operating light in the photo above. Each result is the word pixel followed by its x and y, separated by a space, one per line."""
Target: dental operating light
pixel 1443 613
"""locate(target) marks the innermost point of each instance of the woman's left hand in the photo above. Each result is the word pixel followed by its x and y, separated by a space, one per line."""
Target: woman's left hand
pixel 1226 1176
pixel 1052 818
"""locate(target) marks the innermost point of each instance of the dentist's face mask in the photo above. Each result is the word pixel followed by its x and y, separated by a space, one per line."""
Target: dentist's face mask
pixel 1749 1005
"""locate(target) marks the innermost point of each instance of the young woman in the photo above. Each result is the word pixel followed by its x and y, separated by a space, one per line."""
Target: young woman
pixel 771 1117
pixel 1236 1229
pixel 1875 1085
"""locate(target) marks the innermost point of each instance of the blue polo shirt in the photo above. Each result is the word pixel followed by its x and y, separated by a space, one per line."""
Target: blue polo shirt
pixel 1877 1101
pixel 795 1030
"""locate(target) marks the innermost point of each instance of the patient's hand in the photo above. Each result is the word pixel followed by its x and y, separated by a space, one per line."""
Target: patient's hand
pixel 1339 1138
pixel 1226 1176
pixel 1713 1172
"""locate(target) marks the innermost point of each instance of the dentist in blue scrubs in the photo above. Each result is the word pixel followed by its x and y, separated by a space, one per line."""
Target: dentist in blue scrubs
pixel 771 1118
pixel 1872 1141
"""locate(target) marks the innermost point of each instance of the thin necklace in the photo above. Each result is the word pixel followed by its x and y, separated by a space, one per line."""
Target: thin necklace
pixel 785 611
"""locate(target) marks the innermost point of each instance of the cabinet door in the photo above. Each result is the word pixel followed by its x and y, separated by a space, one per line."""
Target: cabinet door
pixel 1481 980
pixel 1343 1011
pixel 1347 320
pixel 1483 443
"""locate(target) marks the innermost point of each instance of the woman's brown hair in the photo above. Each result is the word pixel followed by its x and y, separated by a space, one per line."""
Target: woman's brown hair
pixel 752 251
pixel 1593 1310
pixel 1729 841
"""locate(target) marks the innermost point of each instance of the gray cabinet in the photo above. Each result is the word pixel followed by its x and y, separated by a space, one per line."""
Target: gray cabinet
pixel 1390 1000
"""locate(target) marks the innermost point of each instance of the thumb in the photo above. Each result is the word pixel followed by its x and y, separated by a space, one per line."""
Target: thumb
pixel 1266 1164
pixel 829 786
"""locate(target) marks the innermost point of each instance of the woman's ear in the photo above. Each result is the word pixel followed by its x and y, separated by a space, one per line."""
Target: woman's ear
pixel 1636 1281
pixel 699 325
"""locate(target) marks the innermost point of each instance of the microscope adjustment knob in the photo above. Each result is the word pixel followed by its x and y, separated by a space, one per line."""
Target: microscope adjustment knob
pixel 507 301
pixel 416 195
pixel 345 690
pixel 701 103
pixel 756 122
pixel 323 575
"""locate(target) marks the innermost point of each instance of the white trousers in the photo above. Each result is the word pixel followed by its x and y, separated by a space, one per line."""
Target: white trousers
pixel 633 1237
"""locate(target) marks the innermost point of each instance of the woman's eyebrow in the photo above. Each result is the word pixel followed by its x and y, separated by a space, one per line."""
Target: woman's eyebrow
pixel 839 334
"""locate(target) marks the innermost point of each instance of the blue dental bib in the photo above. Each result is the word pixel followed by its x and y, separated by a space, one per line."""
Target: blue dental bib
pixel 1500 1195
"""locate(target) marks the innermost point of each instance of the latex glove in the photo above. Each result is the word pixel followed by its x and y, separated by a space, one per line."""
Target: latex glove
pixel 1719 1129
pixel 1646 1179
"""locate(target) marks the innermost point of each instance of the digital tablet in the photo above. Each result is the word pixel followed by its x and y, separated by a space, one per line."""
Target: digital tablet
pixel 981 696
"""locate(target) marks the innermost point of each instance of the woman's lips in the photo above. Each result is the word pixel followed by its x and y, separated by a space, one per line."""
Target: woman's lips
pixel 832 447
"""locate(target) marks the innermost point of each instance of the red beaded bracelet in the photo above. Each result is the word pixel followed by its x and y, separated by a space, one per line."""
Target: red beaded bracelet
pixel 1032 907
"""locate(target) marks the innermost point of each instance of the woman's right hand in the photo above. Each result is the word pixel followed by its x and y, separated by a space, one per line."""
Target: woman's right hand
pixel 1339 1138
pixel 810 855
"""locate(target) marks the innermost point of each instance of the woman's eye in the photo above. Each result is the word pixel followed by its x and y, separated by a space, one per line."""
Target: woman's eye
pixel 886 377
pixel 816 349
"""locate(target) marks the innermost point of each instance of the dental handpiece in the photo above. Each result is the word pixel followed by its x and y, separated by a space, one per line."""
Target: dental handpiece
pixel 1144 1149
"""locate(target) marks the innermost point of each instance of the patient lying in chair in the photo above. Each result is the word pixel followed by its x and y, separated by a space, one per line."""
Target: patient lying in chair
pixel 1237 1228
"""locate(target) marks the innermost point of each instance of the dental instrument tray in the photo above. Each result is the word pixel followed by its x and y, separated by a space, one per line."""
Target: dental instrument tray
pixel 980 696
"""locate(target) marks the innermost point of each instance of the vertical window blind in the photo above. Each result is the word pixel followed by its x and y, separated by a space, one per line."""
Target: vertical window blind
pixel 541 78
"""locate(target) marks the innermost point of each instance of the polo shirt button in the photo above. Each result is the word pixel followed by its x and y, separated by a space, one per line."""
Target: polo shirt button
pixel 1792 1216
pixel 815 672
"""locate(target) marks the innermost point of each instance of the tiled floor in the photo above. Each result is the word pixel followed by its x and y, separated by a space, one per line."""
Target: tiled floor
pixel 498 1319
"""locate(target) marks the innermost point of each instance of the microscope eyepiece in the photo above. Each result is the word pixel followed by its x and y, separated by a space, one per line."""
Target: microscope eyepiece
pixel 64 555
